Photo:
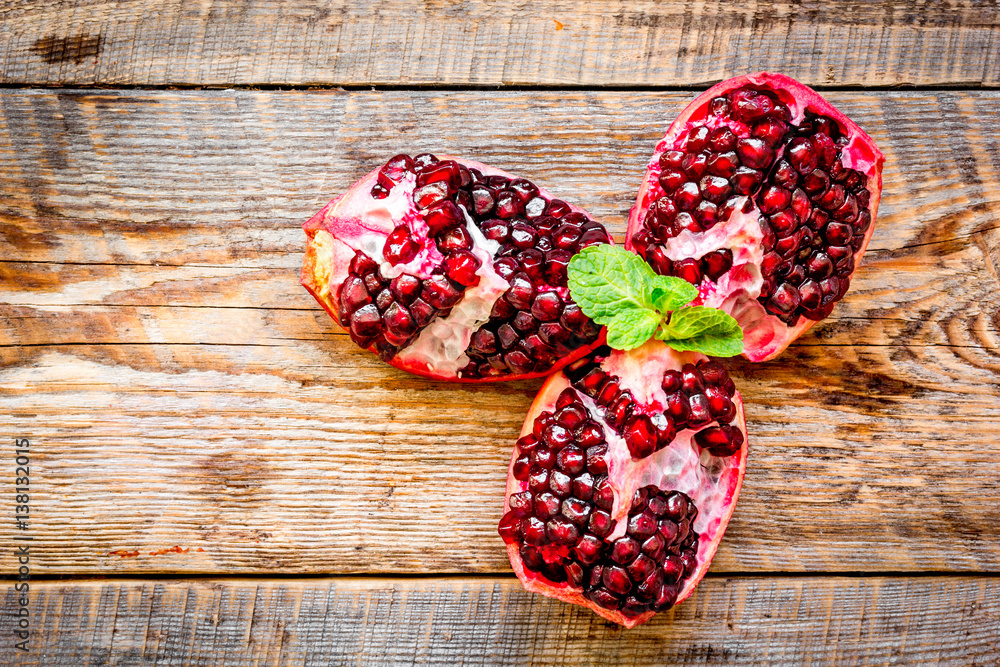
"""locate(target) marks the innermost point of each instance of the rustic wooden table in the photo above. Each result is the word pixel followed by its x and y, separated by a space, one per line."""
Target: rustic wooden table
pixel 219 477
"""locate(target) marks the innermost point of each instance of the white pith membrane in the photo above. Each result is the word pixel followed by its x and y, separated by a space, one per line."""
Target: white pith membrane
pixel 736 292
pixel 442 343
pixel 357 221
pixel 711 482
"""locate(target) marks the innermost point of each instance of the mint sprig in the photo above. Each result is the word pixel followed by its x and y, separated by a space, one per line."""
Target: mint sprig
pixel 617 289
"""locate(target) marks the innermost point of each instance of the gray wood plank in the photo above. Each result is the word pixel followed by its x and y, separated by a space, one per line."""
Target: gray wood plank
pixel 730 621
pixel 549 42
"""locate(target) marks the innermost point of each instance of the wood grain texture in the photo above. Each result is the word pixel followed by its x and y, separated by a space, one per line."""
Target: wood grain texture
pixel 946 621
pixel 582 42
pixel 180 389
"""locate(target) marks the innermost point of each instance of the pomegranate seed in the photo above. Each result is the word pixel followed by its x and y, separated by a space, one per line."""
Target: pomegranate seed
pixel 523 235
pixel 624 550
pixel 588 549
pixel 366 321
pixel 723 164
pixel 785 299
pixel 694 165
pixel 557 208
pixel 750 106
pixel 717 263
pixel 678 408
pixel 774 199
pixel 833 198
pixel 400 248
pixel 802 154
pixel 671 179
pixel 422 312
pixel 508 204
pixel 754 153
pixel 745 180
pixel 687 196
pixel 640 436
pixel 560 483
pixel 691 380
pixel 600 523
pixel 590 434
pixel 722 139
pixel 547 306
pixel 461 267
pixel 445 170
pixel 439 292
pixel 483 342
pixel 697 138
pixel 398 320
pixel 688 269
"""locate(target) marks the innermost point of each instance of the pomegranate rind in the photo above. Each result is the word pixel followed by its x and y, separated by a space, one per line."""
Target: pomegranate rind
pixel 643 358
pixel 769 336
pixel 329 252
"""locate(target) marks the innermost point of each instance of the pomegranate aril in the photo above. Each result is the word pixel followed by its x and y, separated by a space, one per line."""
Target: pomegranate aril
pixel 745 180
pixel 750 105
pixel 773 199
pixel 455 240
pixel 687 196
pixel 802 155
pixel 560 483
pixel 523 235
pixel 785 299
pixel 722 139
pixel 689 269
pixel 717 263
pixel 754 153
pixel 600 523
pixel 508 204
pixel 604 495
pixel 439 292
pixel 461 268
pixel 400 248
pixel 697 138
pixel 640 436
pixel 422 312
pixel 589 435
pixel 445 170
pixel 571 460
pixel 547 306
pixel 366 321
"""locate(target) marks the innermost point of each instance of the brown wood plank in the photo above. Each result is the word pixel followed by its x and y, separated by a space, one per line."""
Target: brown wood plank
pixel 586 42
pixel 182 390
pixel 729 621
pixel 219 177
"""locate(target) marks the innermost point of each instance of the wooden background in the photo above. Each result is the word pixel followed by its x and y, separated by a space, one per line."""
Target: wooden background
pixel 219 477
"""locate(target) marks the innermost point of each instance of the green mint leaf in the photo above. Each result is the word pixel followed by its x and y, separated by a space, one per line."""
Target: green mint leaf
pixel 705 330
pixel 606 279
pixel 632 327
pixel 670 293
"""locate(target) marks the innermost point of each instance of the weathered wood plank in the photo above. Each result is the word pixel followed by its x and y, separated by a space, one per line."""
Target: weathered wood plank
pixel 729 621
pixel 212 177
pixel 268 466
pixel 586 42
pixel 181 389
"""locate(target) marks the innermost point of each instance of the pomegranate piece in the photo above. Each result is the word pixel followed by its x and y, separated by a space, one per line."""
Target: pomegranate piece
pixel 453 270
pixel 624 517
pixel 790 199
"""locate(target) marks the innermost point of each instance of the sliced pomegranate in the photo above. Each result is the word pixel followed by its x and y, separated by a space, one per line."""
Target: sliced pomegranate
pixel 765 196
pixel 623 481
pixel 453 270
